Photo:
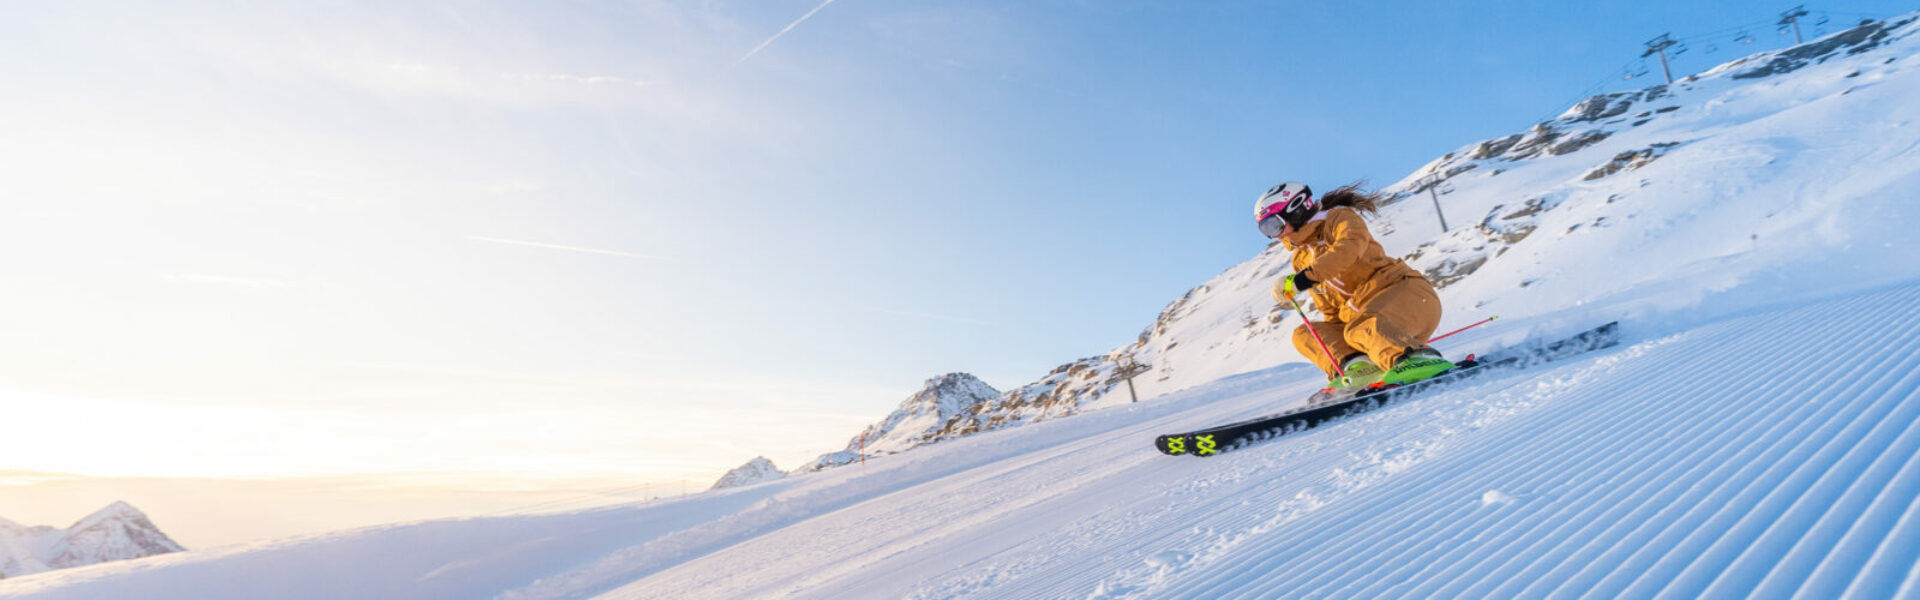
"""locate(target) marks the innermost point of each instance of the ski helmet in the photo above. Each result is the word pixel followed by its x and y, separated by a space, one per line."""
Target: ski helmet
pixel 1289 203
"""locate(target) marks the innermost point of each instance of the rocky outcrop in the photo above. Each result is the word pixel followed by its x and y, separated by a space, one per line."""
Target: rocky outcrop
pixel 1861 38
pixel 1630 160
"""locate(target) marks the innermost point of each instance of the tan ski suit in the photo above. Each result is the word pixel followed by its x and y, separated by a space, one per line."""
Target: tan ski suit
pixel 1374 303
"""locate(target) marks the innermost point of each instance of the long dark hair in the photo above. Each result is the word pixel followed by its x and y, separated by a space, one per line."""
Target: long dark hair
pixel 1355 196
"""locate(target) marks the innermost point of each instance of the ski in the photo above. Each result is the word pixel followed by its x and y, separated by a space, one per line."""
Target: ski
pixel 1328 405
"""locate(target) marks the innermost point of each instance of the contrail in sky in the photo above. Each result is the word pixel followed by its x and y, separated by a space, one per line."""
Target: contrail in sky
pixel 783 31
pixel 558 247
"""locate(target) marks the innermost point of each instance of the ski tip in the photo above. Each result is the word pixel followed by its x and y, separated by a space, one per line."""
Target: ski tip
pixel 1171 445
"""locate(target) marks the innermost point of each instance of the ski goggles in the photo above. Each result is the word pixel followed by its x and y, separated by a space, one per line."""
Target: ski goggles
pixel 1272 225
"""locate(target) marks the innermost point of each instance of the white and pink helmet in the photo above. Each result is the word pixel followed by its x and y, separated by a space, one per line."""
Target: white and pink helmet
pixel 1289 203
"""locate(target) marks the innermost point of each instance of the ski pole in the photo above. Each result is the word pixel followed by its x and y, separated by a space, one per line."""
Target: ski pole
pixel 1316 338
pixel 1482 322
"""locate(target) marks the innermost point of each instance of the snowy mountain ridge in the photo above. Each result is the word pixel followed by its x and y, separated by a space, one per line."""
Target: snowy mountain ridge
pixel 1753 436
pixel 117 532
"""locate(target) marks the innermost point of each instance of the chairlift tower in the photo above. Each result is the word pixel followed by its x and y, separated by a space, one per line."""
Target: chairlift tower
pixel 1432 182
pixel 1659 46
pixel 1791 18
pixel 1128 369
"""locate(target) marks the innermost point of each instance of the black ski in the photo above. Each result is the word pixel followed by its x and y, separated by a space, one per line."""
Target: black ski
pixel 1326 406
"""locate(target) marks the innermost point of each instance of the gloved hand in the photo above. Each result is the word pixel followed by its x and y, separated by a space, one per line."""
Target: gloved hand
pixel 1290 286
pixel 1284 290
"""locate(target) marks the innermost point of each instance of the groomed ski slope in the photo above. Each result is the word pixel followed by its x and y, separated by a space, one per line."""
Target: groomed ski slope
pixel 1769 453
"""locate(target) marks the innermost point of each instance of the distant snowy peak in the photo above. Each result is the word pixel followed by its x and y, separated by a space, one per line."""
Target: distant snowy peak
pixel 924 413
pixel 755 471
pixel 920 419
pixel 117 513
pixel 117 532
pixel 946 396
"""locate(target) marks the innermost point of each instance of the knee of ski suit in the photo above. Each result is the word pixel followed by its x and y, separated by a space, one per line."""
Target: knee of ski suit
pixel 1331 333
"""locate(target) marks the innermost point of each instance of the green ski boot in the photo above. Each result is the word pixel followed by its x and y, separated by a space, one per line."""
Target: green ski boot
pixel 1361 373
pixel 1415 365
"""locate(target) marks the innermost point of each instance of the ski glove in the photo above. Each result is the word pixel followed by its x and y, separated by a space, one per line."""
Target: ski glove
pixel 1291 285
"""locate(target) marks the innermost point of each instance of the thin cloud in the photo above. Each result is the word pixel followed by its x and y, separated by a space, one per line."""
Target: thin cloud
pixel 559 247
pixel 580 79
pixel 921 315
pixel 783 31
pixel 423 69
pixel 657 357
pixel 17 477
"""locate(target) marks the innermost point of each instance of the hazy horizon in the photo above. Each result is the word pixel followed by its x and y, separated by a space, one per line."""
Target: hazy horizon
pixel 203 513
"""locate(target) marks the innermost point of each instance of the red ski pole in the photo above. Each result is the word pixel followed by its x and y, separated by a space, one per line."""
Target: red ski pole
pixel 1342 373
pixel 1482 322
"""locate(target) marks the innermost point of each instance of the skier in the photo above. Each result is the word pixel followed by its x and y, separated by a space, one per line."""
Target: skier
pixel 1379 311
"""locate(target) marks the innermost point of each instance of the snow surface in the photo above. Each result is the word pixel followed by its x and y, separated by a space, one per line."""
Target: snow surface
pixel 1755 435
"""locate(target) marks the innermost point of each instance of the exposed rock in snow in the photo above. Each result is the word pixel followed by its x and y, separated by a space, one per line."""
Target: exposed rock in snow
pixel 755 471
pixel 830 460
pixel 1862 38
pixel 117 532
pixel 1629 160
pixel 1060 393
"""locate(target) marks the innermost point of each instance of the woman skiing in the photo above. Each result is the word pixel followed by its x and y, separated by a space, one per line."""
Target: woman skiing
pixel 1379 311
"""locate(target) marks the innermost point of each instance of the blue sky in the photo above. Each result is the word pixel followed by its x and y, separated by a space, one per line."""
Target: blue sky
pixel 652 239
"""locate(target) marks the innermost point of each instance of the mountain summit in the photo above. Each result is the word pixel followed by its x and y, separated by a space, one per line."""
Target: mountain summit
pixel 755 471
pixel 920 419
pixel 117 532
